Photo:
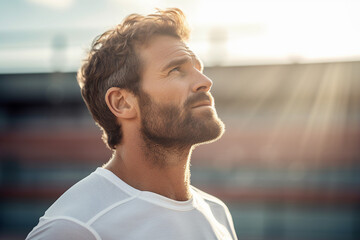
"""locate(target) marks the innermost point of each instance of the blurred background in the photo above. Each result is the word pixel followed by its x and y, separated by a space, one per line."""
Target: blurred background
pixel 286 83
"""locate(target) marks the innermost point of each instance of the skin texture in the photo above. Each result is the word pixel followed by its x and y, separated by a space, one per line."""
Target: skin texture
pixel 174 112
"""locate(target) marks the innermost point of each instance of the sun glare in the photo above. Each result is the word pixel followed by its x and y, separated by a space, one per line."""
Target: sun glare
pixel 265 31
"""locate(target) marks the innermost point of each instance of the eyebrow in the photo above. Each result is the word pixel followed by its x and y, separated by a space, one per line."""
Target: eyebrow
pixel 175 62
pixel 180 61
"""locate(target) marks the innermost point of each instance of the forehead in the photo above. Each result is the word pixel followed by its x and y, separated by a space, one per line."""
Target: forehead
pixel 161 49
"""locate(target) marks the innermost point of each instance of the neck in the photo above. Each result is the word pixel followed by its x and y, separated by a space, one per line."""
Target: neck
pixel 157 169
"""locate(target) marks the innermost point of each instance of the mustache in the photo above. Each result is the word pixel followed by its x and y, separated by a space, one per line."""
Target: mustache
pixel 202 96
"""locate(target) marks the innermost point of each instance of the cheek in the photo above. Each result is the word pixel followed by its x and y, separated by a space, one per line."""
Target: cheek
pixel 175 94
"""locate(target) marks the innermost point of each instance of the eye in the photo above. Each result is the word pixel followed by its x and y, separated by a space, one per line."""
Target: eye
pixel 175 69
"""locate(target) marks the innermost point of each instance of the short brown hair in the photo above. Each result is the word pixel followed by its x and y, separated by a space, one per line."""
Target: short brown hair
pixel 112 62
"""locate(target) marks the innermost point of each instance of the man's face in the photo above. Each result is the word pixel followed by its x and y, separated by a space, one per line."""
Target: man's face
pixel 177 109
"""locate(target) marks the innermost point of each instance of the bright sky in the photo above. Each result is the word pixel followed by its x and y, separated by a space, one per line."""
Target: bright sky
pixel 226 32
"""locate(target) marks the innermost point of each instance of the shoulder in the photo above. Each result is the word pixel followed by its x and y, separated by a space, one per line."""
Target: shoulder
pixel 217 207
pixel 86 198
pixel 62 228
pixel 208 197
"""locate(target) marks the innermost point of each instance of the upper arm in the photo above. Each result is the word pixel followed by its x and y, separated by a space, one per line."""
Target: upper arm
pixel 62 228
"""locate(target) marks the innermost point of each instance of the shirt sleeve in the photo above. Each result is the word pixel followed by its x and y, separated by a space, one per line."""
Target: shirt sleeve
pixel 62 228
pixel 230 222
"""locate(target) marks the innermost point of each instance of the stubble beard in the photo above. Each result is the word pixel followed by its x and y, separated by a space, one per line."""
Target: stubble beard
pixel 168 129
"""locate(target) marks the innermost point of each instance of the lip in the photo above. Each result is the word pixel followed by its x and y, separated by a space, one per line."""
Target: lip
pixel 203 104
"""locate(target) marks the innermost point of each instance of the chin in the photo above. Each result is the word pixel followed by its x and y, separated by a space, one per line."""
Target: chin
pixel 213 131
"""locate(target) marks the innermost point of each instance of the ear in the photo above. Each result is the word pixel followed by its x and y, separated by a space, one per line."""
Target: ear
pixel 121 102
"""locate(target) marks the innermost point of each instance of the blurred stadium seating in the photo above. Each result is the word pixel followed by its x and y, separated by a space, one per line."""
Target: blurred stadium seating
pixel 287 166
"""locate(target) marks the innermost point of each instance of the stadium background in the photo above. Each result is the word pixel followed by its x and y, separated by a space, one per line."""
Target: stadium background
pixel 286 83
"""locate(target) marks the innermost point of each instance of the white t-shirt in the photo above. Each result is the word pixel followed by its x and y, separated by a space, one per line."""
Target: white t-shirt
pixel 102 206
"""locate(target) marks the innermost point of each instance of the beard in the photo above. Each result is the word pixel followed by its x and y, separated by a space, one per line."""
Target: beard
pixel 178 128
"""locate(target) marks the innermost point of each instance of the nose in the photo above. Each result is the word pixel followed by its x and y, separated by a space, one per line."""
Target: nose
pixel 201 82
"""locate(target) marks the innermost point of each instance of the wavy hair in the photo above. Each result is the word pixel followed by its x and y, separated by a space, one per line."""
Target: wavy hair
pixel 112 61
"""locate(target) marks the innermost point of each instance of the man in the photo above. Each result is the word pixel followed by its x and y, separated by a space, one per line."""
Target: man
pixel 146 90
